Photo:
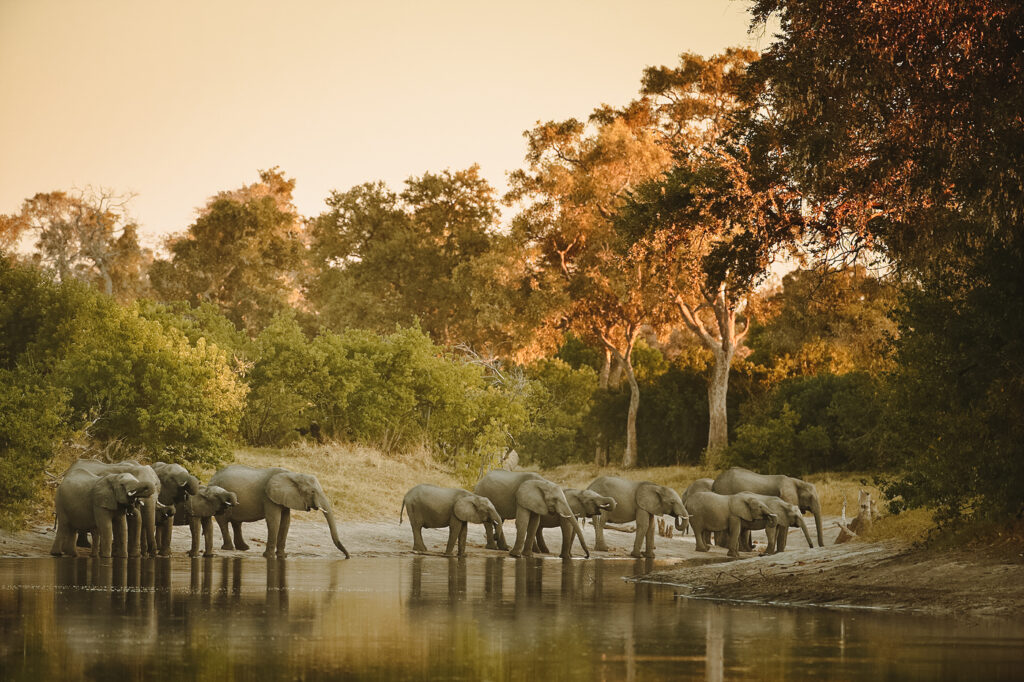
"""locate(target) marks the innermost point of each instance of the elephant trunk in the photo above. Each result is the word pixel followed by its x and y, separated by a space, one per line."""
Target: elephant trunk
pixel 803 527
pixel 325 507
pixel 148 526
pixel 682 523
pixel 579 534
pixel 816 510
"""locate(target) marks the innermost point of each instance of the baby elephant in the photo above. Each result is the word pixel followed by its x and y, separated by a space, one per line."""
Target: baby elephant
pixel 198 510
pixel 730 513
pixel 431 506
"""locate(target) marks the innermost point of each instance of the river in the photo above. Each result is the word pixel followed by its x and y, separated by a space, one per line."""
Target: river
pixel 420 617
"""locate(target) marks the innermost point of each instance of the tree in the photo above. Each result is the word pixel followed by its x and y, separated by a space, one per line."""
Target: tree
pixel 576 178
pixel 244 253
pixel 700 223
pixel 381 258
pixel 87 235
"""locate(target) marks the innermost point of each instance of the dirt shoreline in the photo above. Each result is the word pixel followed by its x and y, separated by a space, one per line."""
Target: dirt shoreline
pixel 880 576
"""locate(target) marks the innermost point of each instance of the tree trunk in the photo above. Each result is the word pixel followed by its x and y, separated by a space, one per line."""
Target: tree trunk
pixel 629 457
pixel 718 424
pixel 601 451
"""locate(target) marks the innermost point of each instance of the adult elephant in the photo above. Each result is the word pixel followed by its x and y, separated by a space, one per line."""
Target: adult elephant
pixel 176 485
pixel 792 490
pixel 96 503
pixel 197 512
pixel 712 512
pixel 585 503
pixel 526 497
pixel 141 521
pixel 270 494
pixel 638 501
pixel 431 506
pixel 787 515
pixel 701 485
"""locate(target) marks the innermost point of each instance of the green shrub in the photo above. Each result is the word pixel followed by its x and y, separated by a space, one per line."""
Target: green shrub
pixel 558 403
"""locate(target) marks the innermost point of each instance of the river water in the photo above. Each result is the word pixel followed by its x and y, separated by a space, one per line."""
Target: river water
pixel 419 617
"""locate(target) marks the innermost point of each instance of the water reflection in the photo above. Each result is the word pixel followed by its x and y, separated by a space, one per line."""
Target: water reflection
pixel 417 617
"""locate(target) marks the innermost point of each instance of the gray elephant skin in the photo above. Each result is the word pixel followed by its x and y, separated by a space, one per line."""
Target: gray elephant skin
pixel 787 515
pixel 701 485
pixel 96 503
pixel 197 512
pixel 141 521
pixel 792 490
pixel 638 501
pixel 712 512
pixel 176 485
pixel 270 494
pixel 584 503
pixel 526 497
pixel 431 506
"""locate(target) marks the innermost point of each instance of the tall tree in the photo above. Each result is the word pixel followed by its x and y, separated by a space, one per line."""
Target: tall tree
pixel 87 235
pixel 577 176
pixel 245 254
pixel 700 221
pixel 381 258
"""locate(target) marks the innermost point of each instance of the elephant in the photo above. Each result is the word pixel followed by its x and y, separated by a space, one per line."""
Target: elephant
pixel 526 497
pixel 638 501
pixel 98 503
pixel 176 485
pixel 788 516
pixel 431 506
pixel 197 512
pixel 141 520
pixel 585 503
pixel 792 490
pixel 701 485
pixel 270 494
pixel 726 513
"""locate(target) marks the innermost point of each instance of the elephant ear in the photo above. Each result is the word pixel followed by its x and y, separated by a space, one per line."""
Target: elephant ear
pixel 464 509
pixel 192 486
pixel 750 508
pixel 648 498
pixel 111 491
pixel 281 489
pixel 531 496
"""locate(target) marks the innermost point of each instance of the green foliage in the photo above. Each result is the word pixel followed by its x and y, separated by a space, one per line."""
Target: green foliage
pixel 956 429
pixel 825 422
pixel 559 401
pixel 33 421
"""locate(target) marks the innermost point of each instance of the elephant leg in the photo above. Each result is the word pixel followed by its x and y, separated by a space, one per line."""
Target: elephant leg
pixel 282 532
pixel 104 525
pixel 781 536
pixel 417 536
pixel 701 537
pixel 207 536
pixel 272 513
pixel 568 535
pixel 194 530
pixel 523 520
pixel 225 534
pixel 462 539
pixel 119 535
pixel 134 520
pixel 540 545
pixel 163 538
pixel 599 543
pixel 239 541
pixel 454 530
pixel 644 521
pixel 734 536
pixel 61 537
pixel 531 534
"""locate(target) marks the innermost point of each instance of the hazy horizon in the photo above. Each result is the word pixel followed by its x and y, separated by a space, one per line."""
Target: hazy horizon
pixel 175 103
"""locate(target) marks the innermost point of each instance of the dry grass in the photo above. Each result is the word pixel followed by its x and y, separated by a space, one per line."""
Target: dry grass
pixel 362 483
pixel 913 525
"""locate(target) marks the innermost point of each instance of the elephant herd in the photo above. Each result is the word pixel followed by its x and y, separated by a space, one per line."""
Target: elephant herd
pixel 730 506
pixel 130 509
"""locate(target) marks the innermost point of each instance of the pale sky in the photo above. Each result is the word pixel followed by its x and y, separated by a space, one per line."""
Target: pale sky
pixel 177 101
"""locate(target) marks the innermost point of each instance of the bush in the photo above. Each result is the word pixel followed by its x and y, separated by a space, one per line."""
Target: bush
pixel 559 401
pixel 809 424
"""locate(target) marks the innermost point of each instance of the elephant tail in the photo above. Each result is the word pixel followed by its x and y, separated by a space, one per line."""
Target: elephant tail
pixel 400 512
